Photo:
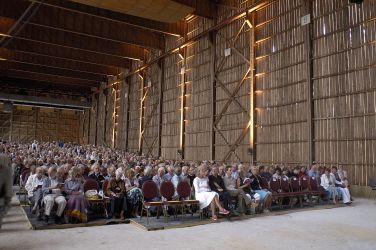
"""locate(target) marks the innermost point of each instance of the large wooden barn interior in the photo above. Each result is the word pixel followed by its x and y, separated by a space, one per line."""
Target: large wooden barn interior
pixel 253 81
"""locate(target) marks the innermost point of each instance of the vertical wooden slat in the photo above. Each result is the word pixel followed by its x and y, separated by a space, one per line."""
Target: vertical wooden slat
pixel 160 104
pixel 308 57
pixel 251 21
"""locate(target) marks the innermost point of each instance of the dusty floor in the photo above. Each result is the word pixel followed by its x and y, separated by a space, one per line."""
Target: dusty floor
pixel 341 228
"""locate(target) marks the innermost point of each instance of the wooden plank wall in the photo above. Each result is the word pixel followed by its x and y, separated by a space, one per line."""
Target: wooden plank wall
pixel 93 120
pixel 43 124
pixel 281 82
pixel 134 111
pixel 151 109
pixel 197 96
pixel 344 73
pixel 335 54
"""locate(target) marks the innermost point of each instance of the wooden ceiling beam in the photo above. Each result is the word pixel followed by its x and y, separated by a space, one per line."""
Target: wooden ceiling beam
pixel 175 29
pixel 62 80
pixel 20 85
pixel 37 59
pixel 14 65
pixel 68 53
pixel 77 41
pixel 82 24
pixel 203 8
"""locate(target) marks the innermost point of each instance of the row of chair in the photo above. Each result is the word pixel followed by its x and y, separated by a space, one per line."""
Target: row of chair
pixel 152 197
pixel 294 187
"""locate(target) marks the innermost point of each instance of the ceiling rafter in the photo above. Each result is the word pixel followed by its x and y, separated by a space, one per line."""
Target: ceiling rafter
pixel 78 23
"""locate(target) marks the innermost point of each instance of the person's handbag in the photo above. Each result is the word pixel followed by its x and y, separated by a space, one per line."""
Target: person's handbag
pixel 92 195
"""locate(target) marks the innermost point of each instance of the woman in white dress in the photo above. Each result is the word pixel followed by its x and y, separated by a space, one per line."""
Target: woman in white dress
pixel 204 194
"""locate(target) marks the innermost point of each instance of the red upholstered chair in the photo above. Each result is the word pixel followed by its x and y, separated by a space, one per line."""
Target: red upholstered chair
pixel 167 190
pixel 91 184
pixel 149 193
pixel 315 189
pixel 22 191
pixel 105 197
pixel 264 183
pixel 304 183
pixel 296 189
pixel 184 191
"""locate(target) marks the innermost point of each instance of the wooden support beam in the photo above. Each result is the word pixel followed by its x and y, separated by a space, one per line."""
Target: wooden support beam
pixel 127 108
pixel 160 104
pixel 59 80
pixel 15 85
pixel 251 22
pixel 62 52
pixel 14 65
pixel 203 8
pixel 212 44
pixel 142 102
pixel 43 101
pixel 175 29
pixel 84 24
pixel 306 5
pixel 60 63
pixel 45 35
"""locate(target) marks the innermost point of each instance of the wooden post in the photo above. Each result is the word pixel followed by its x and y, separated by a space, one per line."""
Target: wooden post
pixel 11 125
pixel 251 20
pixel 213 86
pixel 96 122
pixel 309 71
pixel 160 105
pixel 127 102
pixel 142 101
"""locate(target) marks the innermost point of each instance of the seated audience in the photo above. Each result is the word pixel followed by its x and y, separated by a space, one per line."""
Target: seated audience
pixel 52 194
pixel 230 183
pixel 117 192
pixel 96 175
pixel 265 195
pixel 34 188
pixel 341 187
pixel 244 183
pixel 134 193
pixel 328 183
pixel 158 178
pixel 77 205
pixel 217 185
pixel 204 194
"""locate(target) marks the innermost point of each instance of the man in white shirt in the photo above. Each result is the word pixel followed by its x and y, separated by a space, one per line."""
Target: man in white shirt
pixel 33 187
pixel 328 183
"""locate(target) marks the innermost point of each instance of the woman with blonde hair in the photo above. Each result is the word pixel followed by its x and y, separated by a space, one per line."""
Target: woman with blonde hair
pixel 204 194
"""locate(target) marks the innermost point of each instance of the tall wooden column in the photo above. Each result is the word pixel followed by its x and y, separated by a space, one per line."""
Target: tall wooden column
pixel 307 10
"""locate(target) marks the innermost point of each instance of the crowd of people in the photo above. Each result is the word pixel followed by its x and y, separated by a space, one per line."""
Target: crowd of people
pixel 56 174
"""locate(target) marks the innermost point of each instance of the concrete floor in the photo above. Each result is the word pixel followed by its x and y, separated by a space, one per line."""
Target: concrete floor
pixel 340 228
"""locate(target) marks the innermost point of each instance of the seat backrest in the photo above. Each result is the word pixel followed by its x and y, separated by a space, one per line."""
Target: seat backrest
pixel 91 184
pixel 371 182
pixel 24 176
pixel 104 186
pixel 183 189
pixel 264 183
pixel 285 184
pixel 167 190
pixel 304 182
pixel 275 185
pixel 313 183
pixel 149 190
pixel 295 184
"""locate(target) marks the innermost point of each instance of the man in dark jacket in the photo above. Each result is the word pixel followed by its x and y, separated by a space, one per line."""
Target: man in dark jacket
pixel 217 185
